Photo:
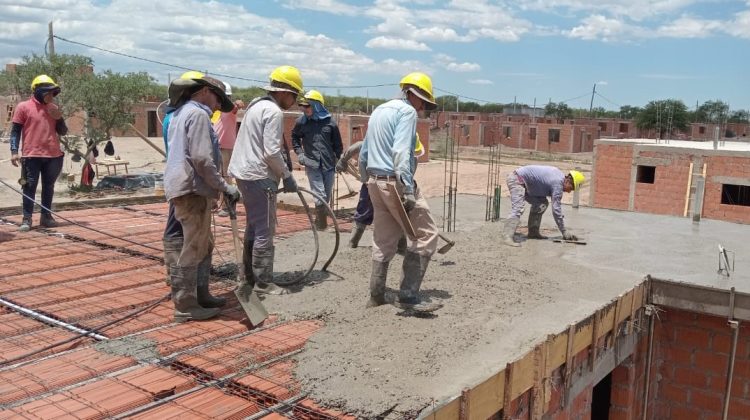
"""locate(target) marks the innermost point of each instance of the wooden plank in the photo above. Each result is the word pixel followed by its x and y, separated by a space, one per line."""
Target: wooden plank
pixel 508 395
pixel 449 411
pixel 556 355
pixel 633 309
pixel 568 364
pixel 624 307
pixel 606 319
pixel 486 398
pixel 523 375
pixel 594 340
pixel 538 396
pixel 687 193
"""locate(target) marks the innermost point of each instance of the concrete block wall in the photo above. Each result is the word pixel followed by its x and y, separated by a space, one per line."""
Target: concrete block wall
pixel 730 170
pixel 691 356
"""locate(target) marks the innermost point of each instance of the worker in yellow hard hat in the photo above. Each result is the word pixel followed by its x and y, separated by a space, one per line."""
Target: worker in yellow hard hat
pixel 258 165
pixel 192 183
pixel 317 143
pixel 534 183
pixel 387 163
pixel 36 130
pixel 225 126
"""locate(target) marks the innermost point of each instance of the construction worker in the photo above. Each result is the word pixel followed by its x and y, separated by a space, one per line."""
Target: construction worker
pixel 225 125
pixel 317 143
pixel 37 127
pixel 386 160
pixel 534 183
pixel 363 214
pixel 258 164
pixel 192 181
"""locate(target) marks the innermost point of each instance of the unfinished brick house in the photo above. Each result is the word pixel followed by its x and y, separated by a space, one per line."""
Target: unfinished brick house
pixel 677 178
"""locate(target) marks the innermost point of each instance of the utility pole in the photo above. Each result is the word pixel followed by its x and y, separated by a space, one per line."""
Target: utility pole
pixel 533 113
pixel 367 101
pixel 51 41
pixel 591 106
pixel 456 103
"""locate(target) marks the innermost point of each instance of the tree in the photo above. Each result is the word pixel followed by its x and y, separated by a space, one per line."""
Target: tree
pixel 629 112
pixel 106 99
pixel 712 112
pixel 740 116
pixel 560 110
pixel 665 116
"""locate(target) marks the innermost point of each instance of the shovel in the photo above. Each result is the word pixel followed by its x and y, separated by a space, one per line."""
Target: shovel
pixel 447 247
pixel 351 192
pixel 249 300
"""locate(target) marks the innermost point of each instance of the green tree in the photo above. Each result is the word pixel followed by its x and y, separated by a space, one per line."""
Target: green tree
pixel 666 116
pixel 712 112
pixel 740 116
pixel 560 110
pixel 629 112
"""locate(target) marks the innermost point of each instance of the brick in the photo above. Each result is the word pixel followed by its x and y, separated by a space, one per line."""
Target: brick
pixel 690 377
pixel 692 338
pixel 673 393
pixel 708 401
pixel 683 412
pixel 715 363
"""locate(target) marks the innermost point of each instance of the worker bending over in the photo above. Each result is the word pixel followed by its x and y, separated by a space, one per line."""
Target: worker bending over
pixel 534 183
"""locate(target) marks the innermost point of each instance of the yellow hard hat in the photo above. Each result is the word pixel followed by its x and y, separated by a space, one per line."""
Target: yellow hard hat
pixel 314 95
pixel 578 179
pixel 215 117
pixel 285 79
pixel 423 85
pixel 42 79
pixel 418 149
pixel 192 74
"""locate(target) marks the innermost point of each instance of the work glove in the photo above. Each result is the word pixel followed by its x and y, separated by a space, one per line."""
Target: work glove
pixel 301 160
pixel 290 185
pixel 233 193
pixel 569 236
pixel 341 166
pixel 409 201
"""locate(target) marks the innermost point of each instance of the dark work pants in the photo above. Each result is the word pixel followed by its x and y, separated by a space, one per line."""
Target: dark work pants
pixel 48 169
pixel 364 213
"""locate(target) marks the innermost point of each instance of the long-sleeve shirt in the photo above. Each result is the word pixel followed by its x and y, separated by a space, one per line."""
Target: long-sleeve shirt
pixel 35 131
pixel 257 153
pixel 193 162
pixel 545 181
pixel 351 151
pixel 388 147
pixel 319 140
pixel 226 129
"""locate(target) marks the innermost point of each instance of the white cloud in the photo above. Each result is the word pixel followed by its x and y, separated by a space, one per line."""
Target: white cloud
pixel 740 25
pixel 481 82
pixel 633 9
pixel 688 27
pixel 449 63
pixel 396 44
pixel 330 6
pixel 598 27
pixel 400 68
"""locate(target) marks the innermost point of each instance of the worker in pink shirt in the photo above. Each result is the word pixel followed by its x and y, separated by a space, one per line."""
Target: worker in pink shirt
pixel 225 126
pixel 37 127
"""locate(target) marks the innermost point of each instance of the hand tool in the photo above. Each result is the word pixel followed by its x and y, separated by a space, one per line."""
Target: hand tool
pixel 405 222
pixel 447 247
pixel 256 312
pixel 351 192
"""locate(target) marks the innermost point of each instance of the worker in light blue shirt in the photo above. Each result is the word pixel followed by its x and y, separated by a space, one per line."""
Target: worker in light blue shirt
pixel 387 165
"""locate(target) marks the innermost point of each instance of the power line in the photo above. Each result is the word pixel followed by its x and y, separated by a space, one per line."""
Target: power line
pixel 603 97
pixel 577 97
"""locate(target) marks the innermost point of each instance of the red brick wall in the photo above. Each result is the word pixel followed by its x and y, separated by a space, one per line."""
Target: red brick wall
pixel 691 356
pixel 737 167
pixel 667 194
pixel 611 181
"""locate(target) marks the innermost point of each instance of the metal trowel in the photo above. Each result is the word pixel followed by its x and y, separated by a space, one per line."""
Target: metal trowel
pixel 256 312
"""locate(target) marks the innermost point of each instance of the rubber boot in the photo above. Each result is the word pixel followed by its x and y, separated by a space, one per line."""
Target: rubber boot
pixel 377 283
pixel 357 232
pixel 25 225
pixel 204 295
pixel 247 262
pixel 46 220
pixel 185 295
pixel 401 246
pixel 172 250
pixel 509 230
pixel 321 217
pixel 415 267
pixel 535 221
pixel 263 272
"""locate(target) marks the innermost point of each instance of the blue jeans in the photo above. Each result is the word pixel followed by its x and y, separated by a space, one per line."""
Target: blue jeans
pixel 48 169
pixel 259 199
pixel 364 213
pixel 321 183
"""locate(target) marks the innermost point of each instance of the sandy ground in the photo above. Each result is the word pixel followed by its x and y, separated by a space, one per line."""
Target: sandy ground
pixel 472 176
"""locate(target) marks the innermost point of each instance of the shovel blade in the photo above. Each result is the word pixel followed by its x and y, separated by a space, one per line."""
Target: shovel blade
pixel 256 312
pixel 445 248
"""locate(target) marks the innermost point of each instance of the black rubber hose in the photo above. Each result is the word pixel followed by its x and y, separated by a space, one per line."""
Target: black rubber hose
pixel 335 226
pixel 296 280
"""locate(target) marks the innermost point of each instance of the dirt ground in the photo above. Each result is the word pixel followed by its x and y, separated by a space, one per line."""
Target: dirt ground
pixel 472 176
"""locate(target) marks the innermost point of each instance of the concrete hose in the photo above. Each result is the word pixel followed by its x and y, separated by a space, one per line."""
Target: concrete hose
pixel 289 280
pixel 335 226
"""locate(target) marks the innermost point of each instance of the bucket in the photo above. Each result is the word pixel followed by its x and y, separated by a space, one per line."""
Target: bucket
pixel 159 188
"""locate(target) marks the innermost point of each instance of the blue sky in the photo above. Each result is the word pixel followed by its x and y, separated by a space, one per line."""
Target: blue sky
pixel 635 51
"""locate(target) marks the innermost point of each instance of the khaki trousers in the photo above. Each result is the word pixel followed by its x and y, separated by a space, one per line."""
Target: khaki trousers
pixel 388 227
pixel 194 213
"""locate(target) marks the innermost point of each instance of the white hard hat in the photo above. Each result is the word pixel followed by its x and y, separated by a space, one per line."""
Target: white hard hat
pixel 227 88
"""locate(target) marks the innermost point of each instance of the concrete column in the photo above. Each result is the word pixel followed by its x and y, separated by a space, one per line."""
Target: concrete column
pixel 699 183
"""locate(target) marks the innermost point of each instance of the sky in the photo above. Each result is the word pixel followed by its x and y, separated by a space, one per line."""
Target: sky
pixel 530 51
